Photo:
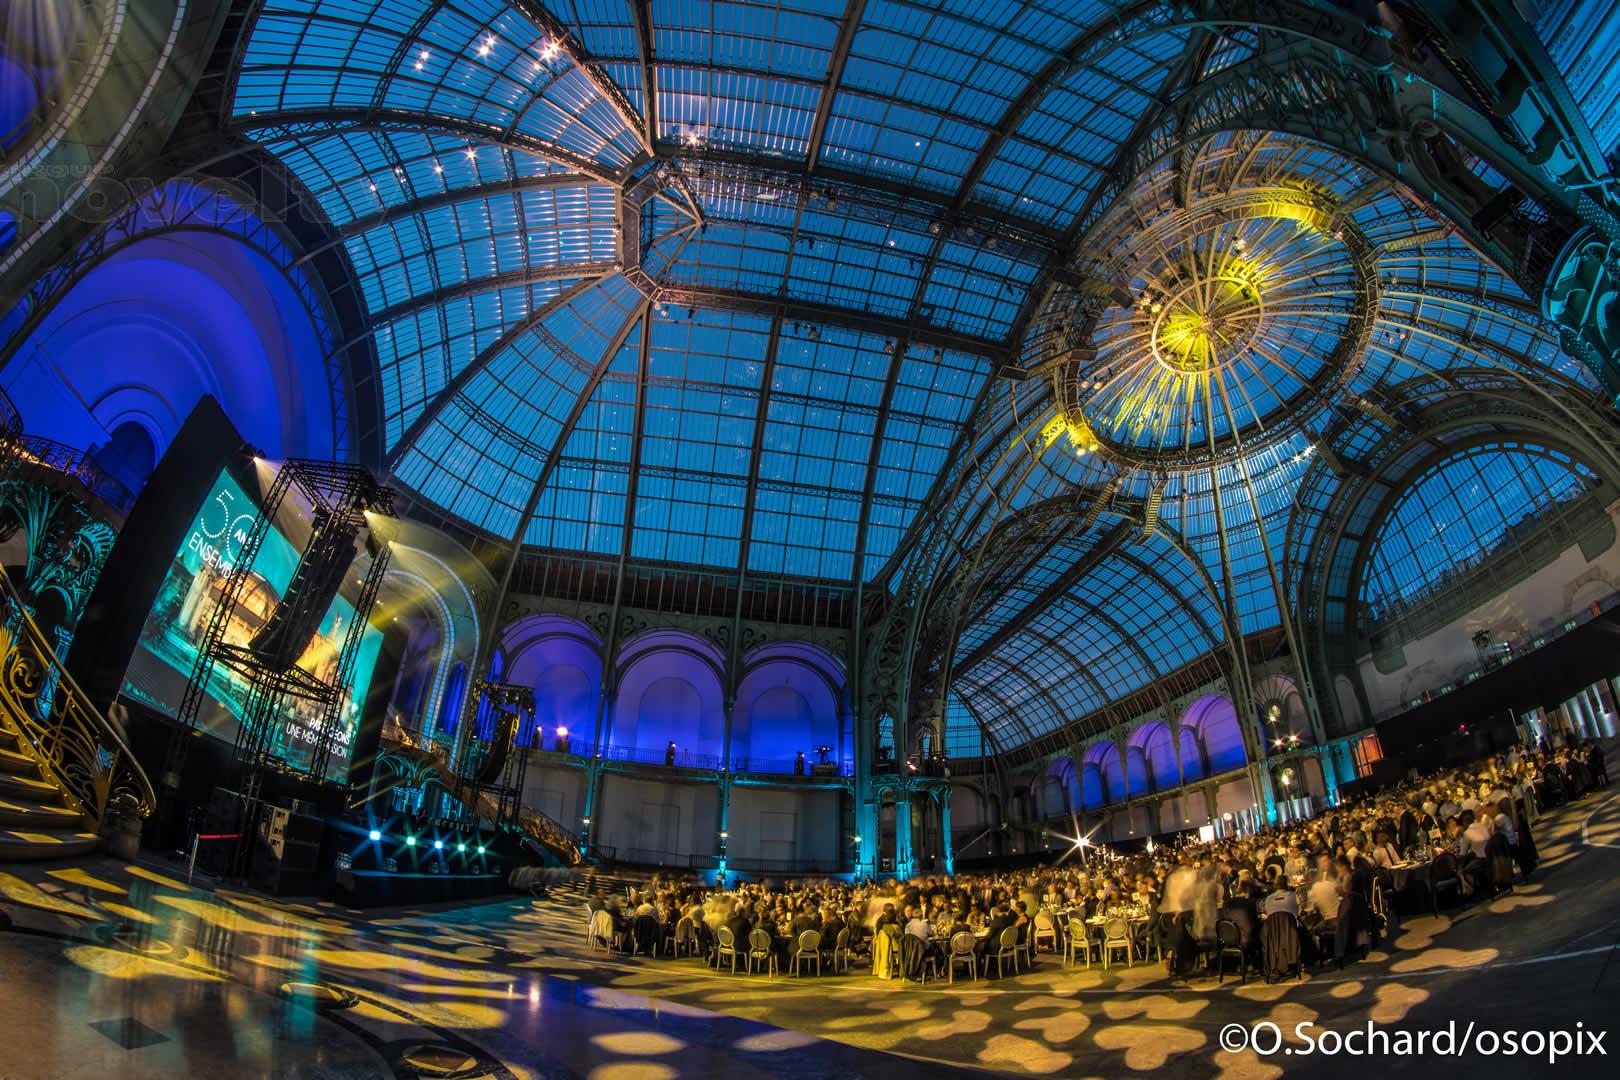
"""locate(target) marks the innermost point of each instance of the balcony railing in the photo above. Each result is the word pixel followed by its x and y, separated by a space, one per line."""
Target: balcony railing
pixel 33 452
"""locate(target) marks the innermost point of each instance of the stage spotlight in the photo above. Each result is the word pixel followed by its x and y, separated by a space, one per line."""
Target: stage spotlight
pixel 480 849
pixel 410 841
pixel 438 845
pixel 374 835
pixel 461 848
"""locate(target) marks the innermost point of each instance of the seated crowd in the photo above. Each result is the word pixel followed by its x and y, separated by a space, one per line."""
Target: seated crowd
pixel 1341 877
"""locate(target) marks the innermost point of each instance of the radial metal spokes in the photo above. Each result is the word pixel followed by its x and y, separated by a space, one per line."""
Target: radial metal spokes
pixel 1233 324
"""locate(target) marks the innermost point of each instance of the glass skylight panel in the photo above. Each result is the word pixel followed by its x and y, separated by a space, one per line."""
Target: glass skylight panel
pixel 790 39
pixel 886 138
pixel 688 519
pixel 887 521
pixel 420 353
pixel 978 291
pixel 729 256
pixel 582 509
pixel 703 389
pixel 605 27
pixel 583 504
pixel 805 532
pixel 821 419
pixel 1461 512
pixel 962 736
pixel 721 109
pixel 1052 163
pixel 509 416
pixel 463 60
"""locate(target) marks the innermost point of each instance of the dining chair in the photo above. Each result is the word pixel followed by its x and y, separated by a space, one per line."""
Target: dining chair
pixel 1116 937
pixel 1079 941
pixel 1045 930
pixel 809 950
pixel 759 948
pixel 1229 942
pixel 1007 949
pixel 962 953
pixel 841 953
pixel 725 945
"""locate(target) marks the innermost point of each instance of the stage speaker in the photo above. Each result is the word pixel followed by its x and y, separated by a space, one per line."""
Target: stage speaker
pixel 315 584
pixel 287 852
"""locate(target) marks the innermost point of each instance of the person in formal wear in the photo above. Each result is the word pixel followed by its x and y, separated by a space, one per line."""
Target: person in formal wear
pixel 1240 910
pixel 1326 893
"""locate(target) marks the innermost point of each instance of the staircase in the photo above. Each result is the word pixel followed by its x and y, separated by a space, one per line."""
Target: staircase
pixel 539 831
pixel 36 821
pixel 62 763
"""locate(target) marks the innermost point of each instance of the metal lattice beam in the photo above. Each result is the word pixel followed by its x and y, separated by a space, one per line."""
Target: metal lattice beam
pixel 342 120
pixel 425 203
pixel 642 10
pixel 1059 586
pixel 893 327
pixel 512 279
pixel 854 12
pixel 537 13
pixel 462 378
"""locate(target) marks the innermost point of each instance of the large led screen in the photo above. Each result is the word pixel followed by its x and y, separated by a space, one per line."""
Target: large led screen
pixel 162 665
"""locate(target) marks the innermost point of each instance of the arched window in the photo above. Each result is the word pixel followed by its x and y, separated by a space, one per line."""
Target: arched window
pixel 1158 755
pixel 669 692
pixel 561 660
pixel 1463 513
pixel 1214 721
pixel 455 692
pixel 790 701
pixel 1110 772
pixel 1193 766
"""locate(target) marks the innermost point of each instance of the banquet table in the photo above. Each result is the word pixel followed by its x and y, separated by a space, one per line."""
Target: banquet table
pixel 1134 925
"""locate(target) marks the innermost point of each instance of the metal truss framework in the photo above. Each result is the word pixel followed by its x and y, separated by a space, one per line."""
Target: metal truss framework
pixel 1530 195
pixel 1305 87
pixel 1342 512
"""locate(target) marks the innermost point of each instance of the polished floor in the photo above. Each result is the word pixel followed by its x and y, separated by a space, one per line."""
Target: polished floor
pixel 113 970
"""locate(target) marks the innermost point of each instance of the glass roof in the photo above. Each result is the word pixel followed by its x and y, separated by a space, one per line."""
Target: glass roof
pixel 1461 512
pixel 731 287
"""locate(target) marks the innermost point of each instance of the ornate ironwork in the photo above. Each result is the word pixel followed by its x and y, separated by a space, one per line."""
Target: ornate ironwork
pixel 32 452
pixel 79 748
pixel 428 758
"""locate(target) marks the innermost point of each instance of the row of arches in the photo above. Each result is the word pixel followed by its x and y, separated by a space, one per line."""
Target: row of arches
pixel 1205 741
pixel 666 697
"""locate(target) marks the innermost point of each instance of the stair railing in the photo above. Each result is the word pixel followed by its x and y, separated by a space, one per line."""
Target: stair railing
pixel 436 756
pixel 81 751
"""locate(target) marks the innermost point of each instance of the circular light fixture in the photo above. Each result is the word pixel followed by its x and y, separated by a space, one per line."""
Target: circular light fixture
pixel 1244 306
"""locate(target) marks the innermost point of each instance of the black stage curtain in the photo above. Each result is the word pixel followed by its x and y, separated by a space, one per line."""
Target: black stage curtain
pixel 110 628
